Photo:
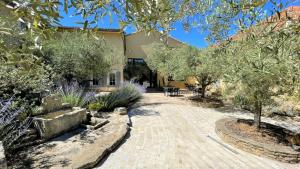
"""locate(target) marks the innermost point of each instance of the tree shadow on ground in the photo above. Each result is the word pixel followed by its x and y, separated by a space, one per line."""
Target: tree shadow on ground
pixel 140 104
pixel 142 112
pixel 180 95
pixel 232 110
pixel 68 135
pixel 25 160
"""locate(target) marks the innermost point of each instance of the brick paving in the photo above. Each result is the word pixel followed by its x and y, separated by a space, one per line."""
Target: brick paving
pixel 170 133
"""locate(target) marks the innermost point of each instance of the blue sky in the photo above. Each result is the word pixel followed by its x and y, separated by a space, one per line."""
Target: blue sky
pixel 193 37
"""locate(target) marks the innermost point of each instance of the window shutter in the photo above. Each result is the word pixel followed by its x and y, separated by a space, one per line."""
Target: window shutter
pixel 104 80
pixel 118 78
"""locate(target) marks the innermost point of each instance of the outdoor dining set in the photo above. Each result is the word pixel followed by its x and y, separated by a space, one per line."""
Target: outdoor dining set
pixel 175 91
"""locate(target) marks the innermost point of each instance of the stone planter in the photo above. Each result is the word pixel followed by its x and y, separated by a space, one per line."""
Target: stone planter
pixel 50 127
pixel 3 164
pixel 273 151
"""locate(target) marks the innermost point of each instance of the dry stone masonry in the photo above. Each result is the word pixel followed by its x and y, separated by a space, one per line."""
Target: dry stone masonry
pixel 280 153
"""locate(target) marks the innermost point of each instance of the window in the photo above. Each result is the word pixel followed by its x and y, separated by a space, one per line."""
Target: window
pixel 139 61
pixel 112 79
pixel 135 61
pixel 95 82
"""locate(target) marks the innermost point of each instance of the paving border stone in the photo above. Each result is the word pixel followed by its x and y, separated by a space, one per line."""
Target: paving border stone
pixel 276 152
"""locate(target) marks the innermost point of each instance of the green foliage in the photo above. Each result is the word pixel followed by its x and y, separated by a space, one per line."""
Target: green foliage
pixel 22 72
pixel 159 57
pixel 215 17
pixel 265 64
pixel 96 106
pixel 122 97
pixel 75 95
pixel 146 14
pixel 241 101
pixel 74 54
pixel 200 63
pixel 23 75
pixel 185 61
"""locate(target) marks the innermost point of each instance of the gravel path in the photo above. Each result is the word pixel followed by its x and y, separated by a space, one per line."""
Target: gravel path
pixel 170 133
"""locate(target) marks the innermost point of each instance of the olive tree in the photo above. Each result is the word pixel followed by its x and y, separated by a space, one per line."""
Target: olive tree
pixel 75 55
pixel 263 64
pixel 159 58
pixel 199 63
pixel 185 61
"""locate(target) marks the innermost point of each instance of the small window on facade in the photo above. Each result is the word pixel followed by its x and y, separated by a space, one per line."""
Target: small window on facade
pixel 112 79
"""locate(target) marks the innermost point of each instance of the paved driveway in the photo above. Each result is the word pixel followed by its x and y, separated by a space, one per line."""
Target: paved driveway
pixel 169 133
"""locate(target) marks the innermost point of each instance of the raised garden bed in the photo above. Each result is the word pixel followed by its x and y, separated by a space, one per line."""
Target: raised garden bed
pixel 270 141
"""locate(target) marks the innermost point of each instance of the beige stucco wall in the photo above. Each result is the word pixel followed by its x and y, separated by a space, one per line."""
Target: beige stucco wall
pixel 136 41
pixel 116 39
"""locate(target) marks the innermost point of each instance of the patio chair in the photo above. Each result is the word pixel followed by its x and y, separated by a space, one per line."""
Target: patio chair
pixel 197 91
pixel 175 91
pixel 165 89
pixel 168 91
pixel 190 87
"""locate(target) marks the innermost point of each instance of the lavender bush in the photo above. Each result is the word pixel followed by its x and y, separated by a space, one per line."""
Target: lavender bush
pixel 126 94
pixel 11 127
pixel 75 95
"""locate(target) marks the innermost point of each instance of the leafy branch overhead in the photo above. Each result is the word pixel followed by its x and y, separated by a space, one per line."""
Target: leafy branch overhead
pixel 216 17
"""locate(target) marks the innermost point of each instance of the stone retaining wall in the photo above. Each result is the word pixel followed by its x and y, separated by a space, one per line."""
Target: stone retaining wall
pixel 3 164
pixel 280 153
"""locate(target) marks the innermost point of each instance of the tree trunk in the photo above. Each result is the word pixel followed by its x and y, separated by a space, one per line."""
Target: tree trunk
pixel 203 90
pixel 257 114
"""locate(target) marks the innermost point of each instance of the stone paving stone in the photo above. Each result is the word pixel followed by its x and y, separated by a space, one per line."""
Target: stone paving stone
pixel 171 133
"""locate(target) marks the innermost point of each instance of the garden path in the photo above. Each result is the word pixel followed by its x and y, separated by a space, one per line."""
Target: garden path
pixel 170 133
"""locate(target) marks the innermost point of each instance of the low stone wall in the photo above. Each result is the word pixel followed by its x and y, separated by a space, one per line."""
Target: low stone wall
pixel 280 153
pixel 3 164
pixel 49 128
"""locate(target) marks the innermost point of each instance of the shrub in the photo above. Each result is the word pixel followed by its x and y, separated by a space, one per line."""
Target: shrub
pixel 12 124
pixel 75 95
pixel 242 101
pixel 95 106
pixel 128 93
